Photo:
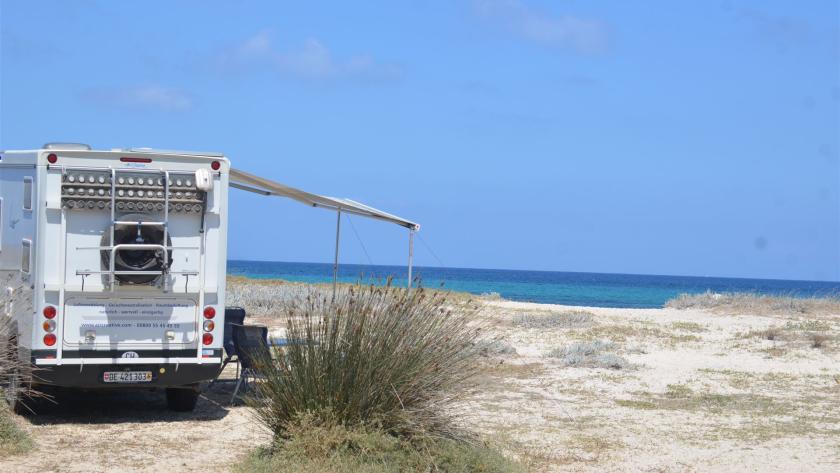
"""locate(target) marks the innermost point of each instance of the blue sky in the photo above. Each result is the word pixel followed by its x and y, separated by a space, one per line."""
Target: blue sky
pixel 689 138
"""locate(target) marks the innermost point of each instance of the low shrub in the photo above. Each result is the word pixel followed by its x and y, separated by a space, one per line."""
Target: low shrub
pixel 580 350
pixel 12 439
pixel 589 355
pixel 567 319
pixel 772 333
pixel 365 383
pixel 370 356
pixel 688 326
pixel 495 348
pixel 818 340
pixel 14 374
pixel 678 391
pixel 315 447
pixel 611 361
pixel 756 304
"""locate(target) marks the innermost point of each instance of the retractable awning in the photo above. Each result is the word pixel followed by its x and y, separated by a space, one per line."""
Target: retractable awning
pixel 259 185
pixel 248 182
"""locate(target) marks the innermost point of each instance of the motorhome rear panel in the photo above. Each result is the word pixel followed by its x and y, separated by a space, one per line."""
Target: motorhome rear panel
pixel 112 263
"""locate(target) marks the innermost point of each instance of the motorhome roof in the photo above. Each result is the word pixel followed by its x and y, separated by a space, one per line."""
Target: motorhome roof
pixel 67 146
pixel 213 154
pixel 84 147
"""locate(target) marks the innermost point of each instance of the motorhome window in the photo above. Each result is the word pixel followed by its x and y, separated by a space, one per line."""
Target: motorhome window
pixel 26 256
pixel 27 193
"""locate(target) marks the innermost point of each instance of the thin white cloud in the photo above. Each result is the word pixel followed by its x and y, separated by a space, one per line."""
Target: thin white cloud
pixel 143 97
pixel 254 50
pixel 582 35
pixel 311 60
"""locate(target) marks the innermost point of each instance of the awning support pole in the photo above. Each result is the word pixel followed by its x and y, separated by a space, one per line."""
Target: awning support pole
pixel 410 255
pixel 335 262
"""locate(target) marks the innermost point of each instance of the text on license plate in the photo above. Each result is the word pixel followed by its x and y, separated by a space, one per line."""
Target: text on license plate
pixel 127 376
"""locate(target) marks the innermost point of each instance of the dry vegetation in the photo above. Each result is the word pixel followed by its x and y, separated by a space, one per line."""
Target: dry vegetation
pixel 313 447
pixel 367 382
pixel 553 320
pixel 595 354
pixel 13 440
pixel 756 304
pixel 263 298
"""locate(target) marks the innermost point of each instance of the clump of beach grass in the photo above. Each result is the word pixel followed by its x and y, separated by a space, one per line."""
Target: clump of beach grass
pixel 688 327
pixel 757 304
pixel 495 347
pixel 795 334
pixel 771 333
pixel 376 368
pixel 592 354
pixel 13 440
pixel 12 371
pixel 9 365
pixel 314 447
pixel 818 340
pixel 552 320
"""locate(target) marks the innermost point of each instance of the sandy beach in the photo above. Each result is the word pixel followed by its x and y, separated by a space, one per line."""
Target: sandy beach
pixel 702 391
pixel 563 389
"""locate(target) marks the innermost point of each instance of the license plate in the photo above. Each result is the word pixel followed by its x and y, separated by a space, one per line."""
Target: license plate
pixel 127 377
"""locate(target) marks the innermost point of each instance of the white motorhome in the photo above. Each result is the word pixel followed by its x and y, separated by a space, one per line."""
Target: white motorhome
pixel 112 265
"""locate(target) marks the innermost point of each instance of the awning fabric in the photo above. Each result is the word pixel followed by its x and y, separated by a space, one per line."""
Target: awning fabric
pixel 248 182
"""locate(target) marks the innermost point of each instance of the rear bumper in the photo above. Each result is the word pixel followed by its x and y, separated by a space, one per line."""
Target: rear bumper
pixel 124 361
pixel 87 373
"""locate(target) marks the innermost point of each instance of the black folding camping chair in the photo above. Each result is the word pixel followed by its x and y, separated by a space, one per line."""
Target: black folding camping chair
pixel 251 346
pixel 234 318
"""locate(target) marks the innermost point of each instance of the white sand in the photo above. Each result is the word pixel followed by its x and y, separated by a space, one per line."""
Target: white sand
pixel 736 402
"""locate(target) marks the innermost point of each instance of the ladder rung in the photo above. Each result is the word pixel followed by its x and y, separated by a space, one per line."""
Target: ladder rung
pixel 138 273
pixel 129 222
pixel 109 248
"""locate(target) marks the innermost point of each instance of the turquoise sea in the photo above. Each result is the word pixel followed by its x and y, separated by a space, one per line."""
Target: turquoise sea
pixel 583 289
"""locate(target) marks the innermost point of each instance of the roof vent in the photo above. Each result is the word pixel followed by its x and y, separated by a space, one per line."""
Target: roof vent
pixel 68 146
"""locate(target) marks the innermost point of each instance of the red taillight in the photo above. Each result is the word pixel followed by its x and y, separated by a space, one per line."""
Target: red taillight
pixel 209 312
pixel 216 165
pixel 135 160
pixel 206 339
pixel 49 339
pixel 52 158
pixel 49 312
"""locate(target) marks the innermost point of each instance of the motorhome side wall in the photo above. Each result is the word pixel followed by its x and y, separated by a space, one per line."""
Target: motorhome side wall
pixel 18 240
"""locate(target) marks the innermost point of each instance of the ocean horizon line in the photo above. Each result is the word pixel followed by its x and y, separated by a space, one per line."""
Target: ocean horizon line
pixel 550 271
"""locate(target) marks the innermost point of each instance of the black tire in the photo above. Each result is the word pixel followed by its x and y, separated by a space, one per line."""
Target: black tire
pixel 136 260
pixel 181 399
